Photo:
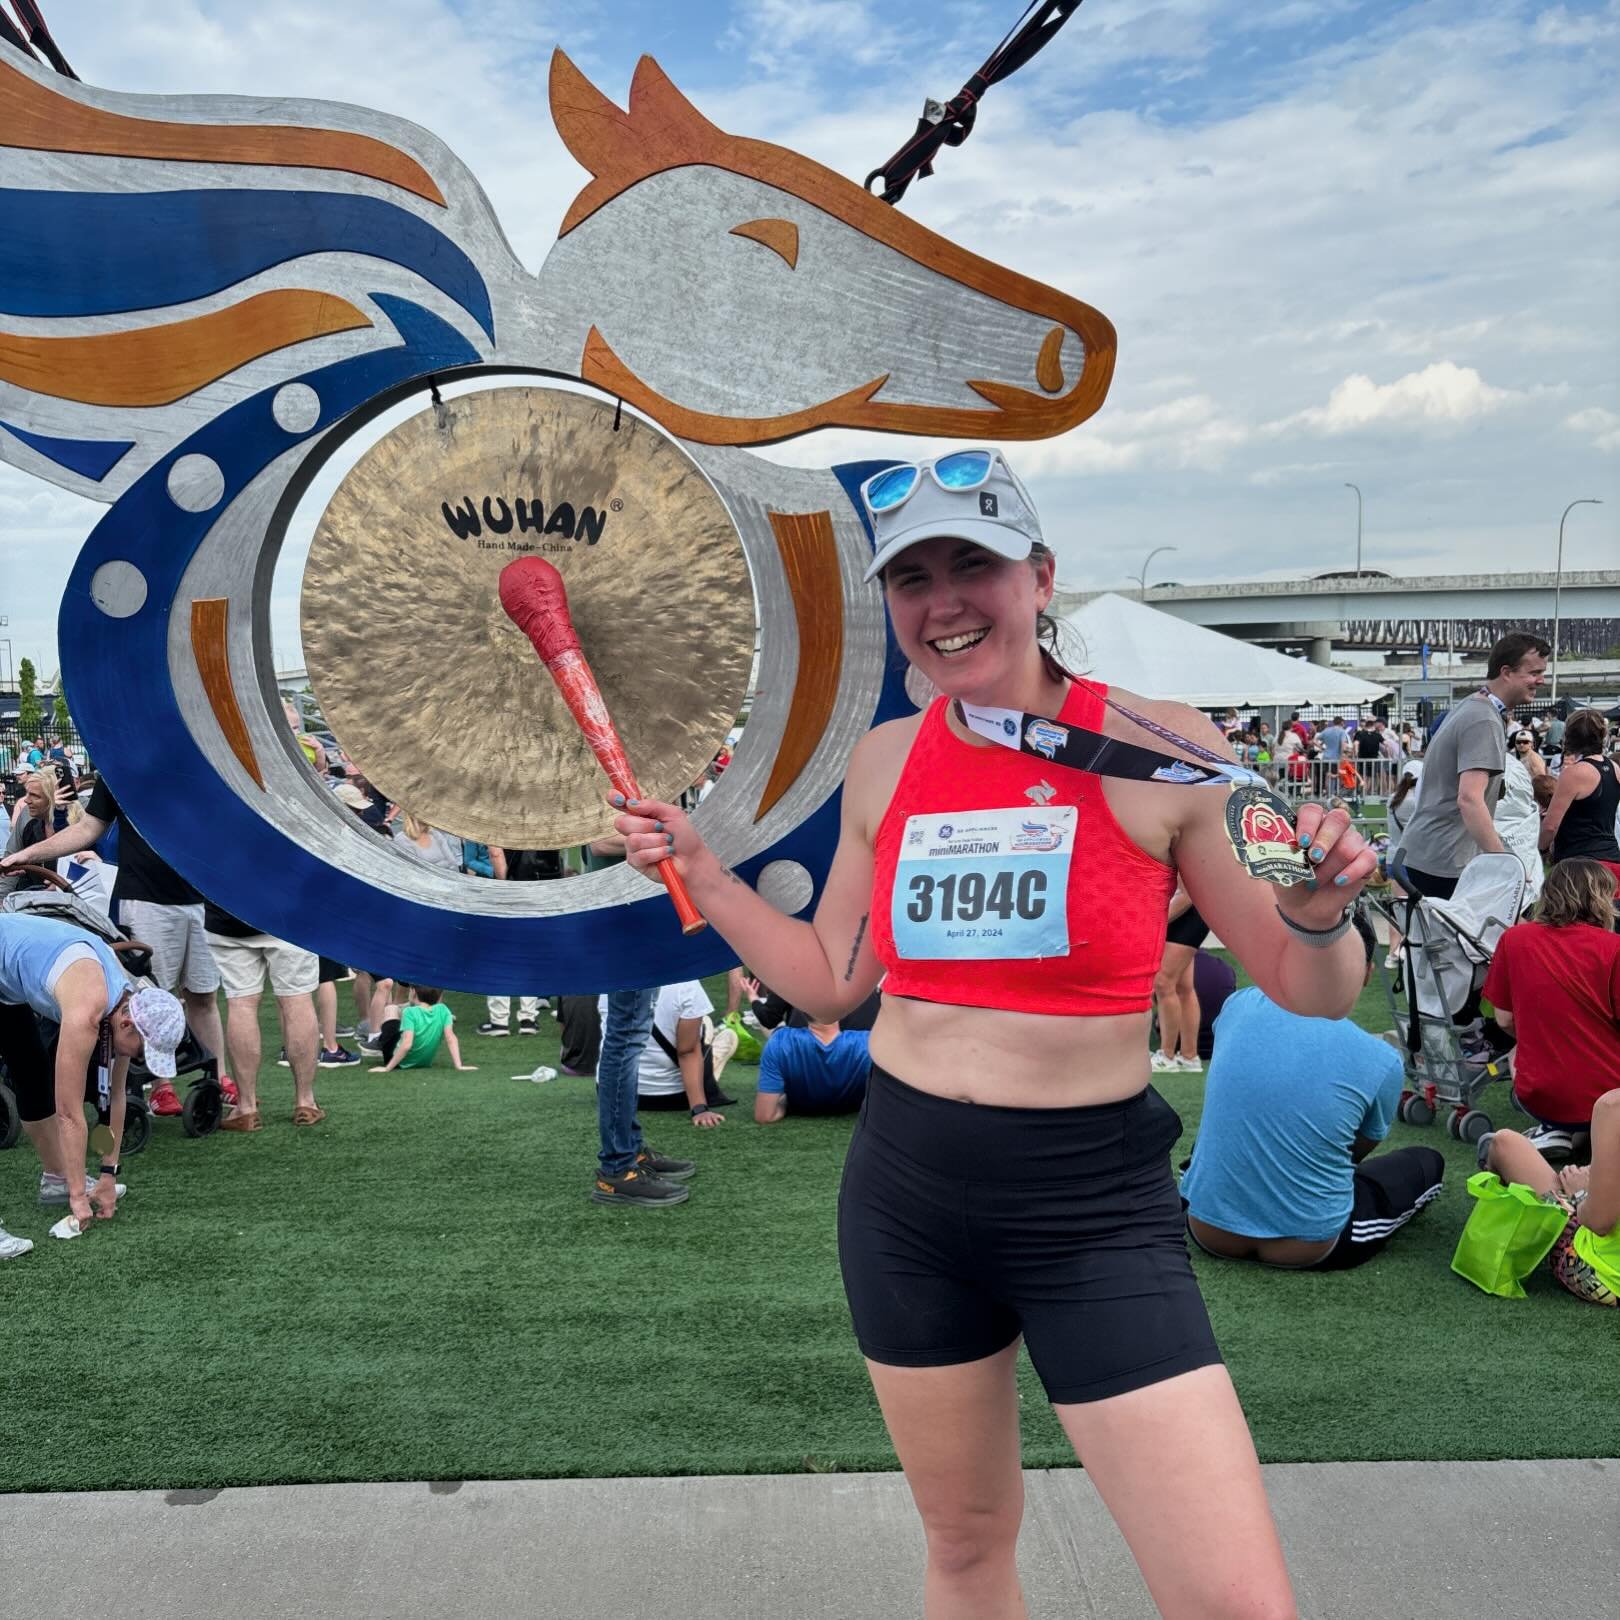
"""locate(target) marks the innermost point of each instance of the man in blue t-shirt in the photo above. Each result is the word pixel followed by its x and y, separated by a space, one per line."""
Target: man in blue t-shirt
pixel 1292 1108
pixel 817 1070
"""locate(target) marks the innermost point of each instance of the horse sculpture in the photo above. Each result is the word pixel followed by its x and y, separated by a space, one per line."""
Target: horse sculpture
pixel 201 300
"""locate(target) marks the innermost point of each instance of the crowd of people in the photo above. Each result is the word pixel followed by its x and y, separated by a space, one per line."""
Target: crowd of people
pixel 1007 1079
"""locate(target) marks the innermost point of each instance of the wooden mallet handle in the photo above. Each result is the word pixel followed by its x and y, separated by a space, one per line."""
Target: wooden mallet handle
pixel 536 601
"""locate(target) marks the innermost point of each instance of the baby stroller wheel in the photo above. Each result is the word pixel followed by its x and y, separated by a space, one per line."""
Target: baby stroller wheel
pixel 137 1125
pixel 1416 1110
pixel 1469 1126
pixel 10 1119
pixel 200 1112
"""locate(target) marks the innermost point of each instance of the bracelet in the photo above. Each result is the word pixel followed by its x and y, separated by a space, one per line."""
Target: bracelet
pixel 1318 938
pixel 702 1108
pixel 110 1170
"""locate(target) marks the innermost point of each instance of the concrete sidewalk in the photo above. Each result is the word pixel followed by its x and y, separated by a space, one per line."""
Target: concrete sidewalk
pixel 1365 1541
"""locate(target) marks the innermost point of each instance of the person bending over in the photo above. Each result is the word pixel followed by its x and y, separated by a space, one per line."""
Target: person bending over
pixel 411 1035
pixel 1555 985
pixel 820 1069
pixel 1586 1259
pixel 1009 1181
pixel 72 979
pixel 1293 1107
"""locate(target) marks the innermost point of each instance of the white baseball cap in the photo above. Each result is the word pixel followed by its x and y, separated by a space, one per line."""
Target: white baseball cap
pixel 162 1025
pixel 967 495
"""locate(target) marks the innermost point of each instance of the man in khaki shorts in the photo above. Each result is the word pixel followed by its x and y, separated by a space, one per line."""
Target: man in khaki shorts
pixel 156 906
pixel 245 956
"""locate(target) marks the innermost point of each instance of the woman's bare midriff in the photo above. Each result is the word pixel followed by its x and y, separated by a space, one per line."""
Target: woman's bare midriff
pixel 1011 1059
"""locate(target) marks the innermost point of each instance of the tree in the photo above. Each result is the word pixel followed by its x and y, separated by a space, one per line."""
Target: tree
pixel 61 718
pixel 29 719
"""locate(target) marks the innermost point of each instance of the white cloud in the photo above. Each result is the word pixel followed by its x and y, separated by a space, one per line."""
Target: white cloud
pixel 1602 426
pixel 1561 26
pixel 1444 393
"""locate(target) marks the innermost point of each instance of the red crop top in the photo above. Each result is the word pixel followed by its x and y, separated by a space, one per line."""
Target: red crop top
pixel 982 899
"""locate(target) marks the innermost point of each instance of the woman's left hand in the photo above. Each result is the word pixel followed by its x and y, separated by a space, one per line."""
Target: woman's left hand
pixel 1341 862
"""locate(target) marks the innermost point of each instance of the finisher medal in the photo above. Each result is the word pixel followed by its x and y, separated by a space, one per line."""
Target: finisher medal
pixel 1262 837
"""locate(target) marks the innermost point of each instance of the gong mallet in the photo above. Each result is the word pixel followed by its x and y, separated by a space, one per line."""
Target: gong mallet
pixel 536 601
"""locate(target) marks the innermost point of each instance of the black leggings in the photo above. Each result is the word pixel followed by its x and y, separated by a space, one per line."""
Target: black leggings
pixel 962 1225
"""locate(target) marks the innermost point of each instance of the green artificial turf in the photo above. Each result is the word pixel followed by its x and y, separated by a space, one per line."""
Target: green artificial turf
pixel 421 1289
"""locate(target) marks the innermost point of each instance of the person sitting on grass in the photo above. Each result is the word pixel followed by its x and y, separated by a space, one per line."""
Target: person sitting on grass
pixel 820 1069
pixel 1555 985
pixel 678 1067
pixel 1586 1258
pixel 411 1035
pixel 1292 1108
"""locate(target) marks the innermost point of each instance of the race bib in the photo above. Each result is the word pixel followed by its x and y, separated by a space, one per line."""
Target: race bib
pixel 984 883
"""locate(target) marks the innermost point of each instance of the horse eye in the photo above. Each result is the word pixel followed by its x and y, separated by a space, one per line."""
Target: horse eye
pixel 781 236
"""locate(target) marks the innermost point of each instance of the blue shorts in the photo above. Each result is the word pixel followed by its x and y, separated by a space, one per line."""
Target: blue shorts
pixel 963 1225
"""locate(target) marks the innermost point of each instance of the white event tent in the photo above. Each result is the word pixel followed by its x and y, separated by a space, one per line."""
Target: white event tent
pixel 1157 655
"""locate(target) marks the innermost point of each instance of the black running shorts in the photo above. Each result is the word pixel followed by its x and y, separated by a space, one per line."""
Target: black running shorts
pixel 1187 929
pixel 962 1225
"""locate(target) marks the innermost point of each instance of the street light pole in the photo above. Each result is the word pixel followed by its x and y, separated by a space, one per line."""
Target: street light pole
pixel 1142 577
pixel 1357 489
pixel 1558 584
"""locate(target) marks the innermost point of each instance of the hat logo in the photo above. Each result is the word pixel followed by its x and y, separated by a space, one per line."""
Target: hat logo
pixel 988 505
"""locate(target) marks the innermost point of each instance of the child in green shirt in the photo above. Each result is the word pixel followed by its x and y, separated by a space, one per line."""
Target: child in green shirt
pixel 411 1035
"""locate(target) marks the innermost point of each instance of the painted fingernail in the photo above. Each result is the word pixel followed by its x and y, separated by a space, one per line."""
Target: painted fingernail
pixel 1341 880
pixel 1304 840
pixel 1310 883
pixel 669 838
pixel 616 798
pixel 658 826
pixel 1318 854
pixel 632 801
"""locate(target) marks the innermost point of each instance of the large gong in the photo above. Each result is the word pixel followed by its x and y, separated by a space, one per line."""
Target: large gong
pixel 438 696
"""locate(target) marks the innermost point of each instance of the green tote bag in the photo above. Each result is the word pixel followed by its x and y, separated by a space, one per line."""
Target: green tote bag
pixel 1509 1233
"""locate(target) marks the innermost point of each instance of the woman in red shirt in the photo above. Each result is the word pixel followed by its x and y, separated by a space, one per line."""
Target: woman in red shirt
pixel 1010 1179
pixel 1555 985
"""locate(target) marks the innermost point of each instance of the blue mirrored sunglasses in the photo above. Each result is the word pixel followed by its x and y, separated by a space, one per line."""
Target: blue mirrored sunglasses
pixel 892 488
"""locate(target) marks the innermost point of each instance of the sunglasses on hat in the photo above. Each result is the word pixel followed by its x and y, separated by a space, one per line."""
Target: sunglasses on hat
pixel 959 472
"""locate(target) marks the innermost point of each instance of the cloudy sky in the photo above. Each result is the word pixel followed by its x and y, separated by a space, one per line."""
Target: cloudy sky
pixel 1341 240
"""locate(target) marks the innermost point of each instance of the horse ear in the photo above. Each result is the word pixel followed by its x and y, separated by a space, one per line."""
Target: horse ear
pixel 591 127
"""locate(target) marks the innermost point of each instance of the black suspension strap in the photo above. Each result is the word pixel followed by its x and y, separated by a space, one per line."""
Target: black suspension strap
pixel 31 34
pixel 950 123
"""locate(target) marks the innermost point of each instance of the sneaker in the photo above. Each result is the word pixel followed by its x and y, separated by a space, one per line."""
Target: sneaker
pixel 650 1162
pixel 345 1032
pixel 1392 960
pixel 527 1026
pixel 283 1061
pixel 749 1019
pixel 1160 1064
pixel 1550 1142
pixel 227 1089
pixel 53 1189
pixel 1189 1065
pixel 337 1058
pixel 497 1030
pixel 164 1099
pixel 633 1187
pixel 14 1248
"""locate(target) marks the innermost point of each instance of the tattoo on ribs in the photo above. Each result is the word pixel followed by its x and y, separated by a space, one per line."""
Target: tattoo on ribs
pixel 855 949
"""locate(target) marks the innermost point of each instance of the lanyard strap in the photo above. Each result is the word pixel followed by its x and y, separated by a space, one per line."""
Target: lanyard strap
pixel 1078 749
pixel 104 1060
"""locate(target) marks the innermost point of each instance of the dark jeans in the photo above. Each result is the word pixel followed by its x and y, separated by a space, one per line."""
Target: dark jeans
pixel 624 1033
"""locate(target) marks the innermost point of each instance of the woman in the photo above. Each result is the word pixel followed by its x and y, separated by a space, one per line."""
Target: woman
pixel 428 843
pixel 1586 1259
pixel 1581 819
pixel 1009 1082
pixel 46 807
pixel 1555 985
pixel 1175 996
pixel 1524 750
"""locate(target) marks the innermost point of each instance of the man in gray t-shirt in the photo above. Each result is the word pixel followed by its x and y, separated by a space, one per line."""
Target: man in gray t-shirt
pixel 1462 770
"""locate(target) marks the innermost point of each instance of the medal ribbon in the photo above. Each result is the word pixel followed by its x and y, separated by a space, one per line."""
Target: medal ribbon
pixel 1082 750
pixel 104 1060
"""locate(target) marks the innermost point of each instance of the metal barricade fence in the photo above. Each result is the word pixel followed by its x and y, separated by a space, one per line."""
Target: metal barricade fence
pixel 1325 779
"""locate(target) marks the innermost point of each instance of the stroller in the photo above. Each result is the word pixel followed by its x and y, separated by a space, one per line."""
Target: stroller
pixel 204 1102
pixel 1448 950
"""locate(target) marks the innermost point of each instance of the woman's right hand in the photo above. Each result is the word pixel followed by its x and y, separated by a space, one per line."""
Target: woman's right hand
pixel 653 831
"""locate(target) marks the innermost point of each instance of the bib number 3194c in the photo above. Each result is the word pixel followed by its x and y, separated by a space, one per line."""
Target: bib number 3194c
pixel 984 883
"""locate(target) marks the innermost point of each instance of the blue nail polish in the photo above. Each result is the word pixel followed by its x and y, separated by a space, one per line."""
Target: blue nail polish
pixel 1310 883
pixel 658 826
pixel 632 801
pixel 1304 840
pixel 1341 880
pixel 618 798
pixel 1319 854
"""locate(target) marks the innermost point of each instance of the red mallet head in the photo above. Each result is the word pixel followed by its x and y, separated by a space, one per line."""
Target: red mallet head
pixel 536 601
